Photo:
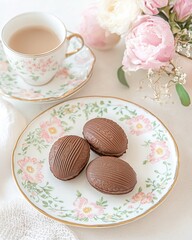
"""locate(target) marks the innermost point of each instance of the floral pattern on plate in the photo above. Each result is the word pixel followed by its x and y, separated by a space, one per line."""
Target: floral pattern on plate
pixel 152 153
pixel 75 72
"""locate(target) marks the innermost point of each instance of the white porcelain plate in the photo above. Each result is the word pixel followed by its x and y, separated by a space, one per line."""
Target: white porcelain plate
pixel 74 74
pixel 152 152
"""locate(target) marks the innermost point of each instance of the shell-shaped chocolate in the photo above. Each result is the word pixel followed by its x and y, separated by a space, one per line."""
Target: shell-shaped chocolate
pixel 68 156
pixel 105 137
pixel 111 175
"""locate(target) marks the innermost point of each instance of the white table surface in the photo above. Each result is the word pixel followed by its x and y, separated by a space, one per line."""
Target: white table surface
pixel 173 218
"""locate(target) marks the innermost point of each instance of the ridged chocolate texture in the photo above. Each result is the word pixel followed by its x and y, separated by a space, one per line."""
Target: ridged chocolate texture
pixel 105 137
pixel 68 157
pixel 111 175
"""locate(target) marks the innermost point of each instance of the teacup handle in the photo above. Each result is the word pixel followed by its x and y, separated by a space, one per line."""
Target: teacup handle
pixel 79 48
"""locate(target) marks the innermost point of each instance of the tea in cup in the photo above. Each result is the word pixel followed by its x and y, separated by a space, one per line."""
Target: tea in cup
pixel 35 45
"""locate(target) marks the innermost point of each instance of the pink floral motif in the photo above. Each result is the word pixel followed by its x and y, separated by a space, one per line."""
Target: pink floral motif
pixel 138 197
pixel 139 125
pixel 51 130
pixel 42 65
pixel 86 209
pixel 29 93
pixel 36 67
pixel 148 198
pixel 3 66
pixel 151 7
pixel 143 198
pixel 62 72
pixel 31 170
pixel 159 151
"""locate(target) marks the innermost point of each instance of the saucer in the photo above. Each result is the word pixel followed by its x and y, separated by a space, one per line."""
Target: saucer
pixel 75 72
pixel 152 152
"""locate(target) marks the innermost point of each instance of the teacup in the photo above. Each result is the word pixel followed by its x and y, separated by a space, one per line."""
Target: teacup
pixel 36 44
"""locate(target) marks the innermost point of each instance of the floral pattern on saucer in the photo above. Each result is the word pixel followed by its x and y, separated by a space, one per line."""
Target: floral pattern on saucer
pixel 152 153
pixel 75 72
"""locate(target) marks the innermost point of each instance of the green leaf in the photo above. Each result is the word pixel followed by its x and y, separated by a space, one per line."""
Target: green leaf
pixel 172 16
pixel 78 194
pixel 183 95
pixel 175 27
pixel 19 171
pixel 121 77
pixel 145 162
pixel 164 13
pixel 45 203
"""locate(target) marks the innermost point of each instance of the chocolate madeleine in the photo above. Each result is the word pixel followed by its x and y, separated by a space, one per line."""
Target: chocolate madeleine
pixel 68 157
pixel 105 137
pixel 111 175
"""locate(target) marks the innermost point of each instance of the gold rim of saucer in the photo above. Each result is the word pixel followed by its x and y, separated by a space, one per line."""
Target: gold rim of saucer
pixel 112 224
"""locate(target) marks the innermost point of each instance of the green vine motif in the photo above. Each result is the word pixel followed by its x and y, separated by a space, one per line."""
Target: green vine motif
pixel 33 139
pixel 87 109
pixel 161 181
pixel 146 143
pixel 125 112
pixel 62 88
pixel 119 215
pixel 102 202
pixel 67 109
pixel 43 194
pixel 160 135
pixel 100 108
pixel 9 80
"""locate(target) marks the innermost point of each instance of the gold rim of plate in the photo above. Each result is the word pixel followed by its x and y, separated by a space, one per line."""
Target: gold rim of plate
pixel 111 224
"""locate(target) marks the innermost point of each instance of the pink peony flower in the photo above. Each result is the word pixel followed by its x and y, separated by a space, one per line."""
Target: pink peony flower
pixel 151 6
pixel 86 209
pixel 159 151
pixel 51 130
pixel 31 169
pixel 94 35
pixel 149 44
pixel 183 9
pixel 139 125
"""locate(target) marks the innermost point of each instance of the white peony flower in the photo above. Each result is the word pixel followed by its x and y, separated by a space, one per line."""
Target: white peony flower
pixel 117 15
